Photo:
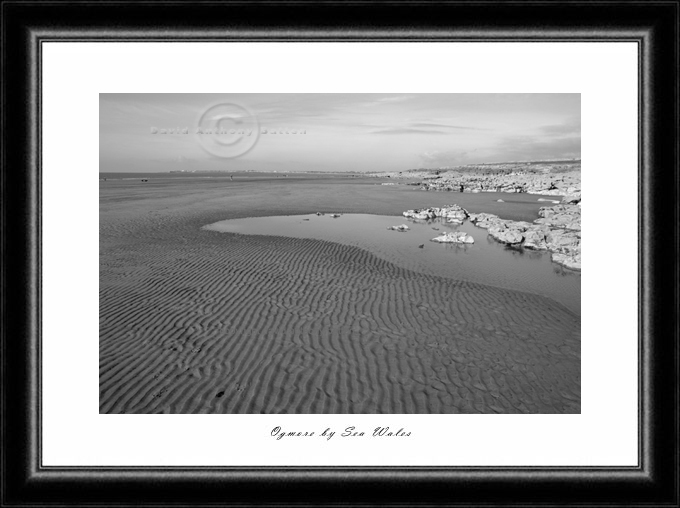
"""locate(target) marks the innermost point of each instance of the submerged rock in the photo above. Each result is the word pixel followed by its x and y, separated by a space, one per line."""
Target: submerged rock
pixel 401 227
pixel 454 237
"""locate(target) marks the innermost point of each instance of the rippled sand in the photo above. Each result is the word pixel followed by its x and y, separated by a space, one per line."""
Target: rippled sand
pixel 194 321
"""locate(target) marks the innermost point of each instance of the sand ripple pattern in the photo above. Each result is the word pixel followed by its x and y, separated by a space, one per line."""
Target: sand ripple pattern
pixel 203 322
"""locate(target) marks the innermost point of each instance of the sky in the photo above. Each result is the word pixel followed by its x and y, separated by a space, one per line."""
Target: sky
pixel 332 132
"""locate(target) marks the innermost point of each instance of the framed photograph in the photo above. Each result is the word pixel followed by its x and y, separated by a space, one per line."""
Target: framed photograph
pixel 296 254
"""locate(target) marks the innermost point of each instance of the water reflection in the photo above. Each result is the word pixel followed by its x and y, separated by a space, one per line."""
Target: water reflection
pixel 520 251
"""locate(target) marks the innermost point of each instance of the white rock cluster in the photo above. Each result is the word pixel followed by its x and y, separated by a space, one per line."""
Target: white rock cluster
pixel 454 237
pixel 558 230
pixel 453 213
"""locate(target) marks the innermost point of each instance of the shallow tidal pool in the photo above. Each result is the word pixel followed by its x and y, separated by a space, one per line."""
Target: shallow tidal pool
pixel 486 261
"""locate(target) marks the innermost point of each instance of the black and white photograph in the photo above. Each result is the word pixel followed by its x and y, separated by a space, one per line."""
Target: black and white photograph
pixel 340 253
pixel 329 254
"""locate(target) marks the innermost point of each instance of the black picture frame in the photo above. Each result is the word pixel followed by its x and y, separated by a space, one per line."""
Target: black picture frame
pixel 653 25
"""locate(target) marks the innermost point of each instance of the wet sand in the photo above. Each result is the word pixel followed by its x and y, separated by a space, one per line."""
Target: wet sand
pixel 196 321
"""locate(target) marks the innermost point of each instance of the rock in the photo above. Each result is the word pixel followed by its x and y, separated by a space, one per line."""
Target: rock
pixel 453 212
pixel 506 235
pixel 560 216
pixel 319 213
pixel 519 225
pixel 401 227
pixel 500 201
pixel 563 242
pixel 421 245
pixel 561 221
pixel 572 262
pixel 454 237
pixel 550 179
pixel 558 228
pixel 549 211
pixel 448 211
pixel 535 239
pixel 485 220
pixel 335 215
pixel 419 214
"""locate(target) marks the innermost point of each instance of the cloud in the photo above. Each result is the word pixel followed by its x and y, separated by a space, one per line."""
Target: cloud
pixel 407 130
pixel 399 98
pixel 424 128
pixel 446 126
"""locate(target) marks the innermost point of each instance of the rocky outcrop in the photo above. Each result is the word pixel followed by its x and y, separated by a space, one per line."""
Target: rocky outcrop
pixel 454 237
pixel 563 241
pixel 572 262
pixel 560 216
pixel 534 239
pixel 506 235
pixel 451 212
pixel 558 230
pixel 572 199
pixel 549 185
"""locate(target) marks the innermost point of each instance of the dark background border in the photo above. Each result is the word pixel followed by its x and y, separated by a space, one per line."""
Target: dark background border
pixel 654 25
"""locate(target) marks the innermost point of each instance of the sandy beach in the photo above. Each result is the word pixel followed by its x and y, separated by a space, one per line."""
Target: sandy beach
pixel 200 321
